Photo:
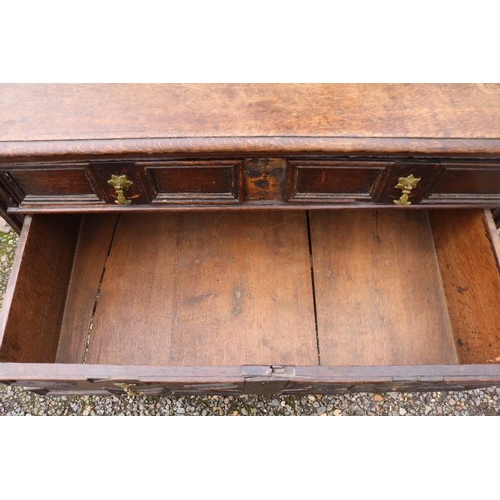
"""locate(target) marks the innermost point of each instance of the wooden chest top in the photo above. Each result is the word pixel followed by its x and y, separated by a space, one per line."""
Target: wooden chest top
pixel 120 118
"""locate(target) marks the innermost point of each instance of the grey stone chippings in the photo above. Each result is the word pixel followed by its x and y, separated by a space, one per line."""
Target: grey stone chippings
pixel 17 401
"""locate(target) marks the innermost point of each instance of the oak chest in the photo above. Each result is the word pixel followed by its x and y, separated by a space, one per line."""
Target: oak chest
pixel 251 238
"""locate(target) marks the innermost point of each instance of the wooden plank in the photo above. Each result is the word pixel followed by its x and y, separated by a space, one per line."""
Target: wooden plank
pixel 35 112
pixel 87 379
pixel 207 289
pixel 36 293
pixel 378 292
pixel 467 249
pixel 14 273
pixel 94 242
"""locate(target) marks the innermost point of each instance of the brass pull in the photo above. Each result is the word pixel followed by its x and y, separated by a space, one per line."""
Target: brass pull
pixel 121 184
pixel 406 184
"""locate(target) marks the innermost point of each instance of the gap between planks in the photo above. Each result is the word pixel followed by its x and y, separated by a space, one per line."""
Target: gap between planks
pixel 91 324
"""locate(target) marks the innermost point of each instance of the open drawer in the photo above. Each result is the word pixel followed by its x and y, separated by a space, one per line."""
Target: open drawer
pixel 275 302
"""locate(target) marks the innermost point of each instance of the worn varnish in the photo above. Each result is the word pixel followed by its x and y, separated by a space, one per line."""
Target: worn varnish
pixel 194 182
pixel 215 278
pixel 264 179
pixel 467 180
pixel 68 120
pixel 97 111
pixel 379 296
pixel 246 146
pixel 334 181
pixel 206 289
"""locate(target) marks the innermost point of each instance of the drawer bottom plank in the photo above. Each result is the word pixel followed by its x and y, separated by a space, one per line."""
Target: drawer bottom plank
pixel 379 295
pixel 96 235
pixel 206 289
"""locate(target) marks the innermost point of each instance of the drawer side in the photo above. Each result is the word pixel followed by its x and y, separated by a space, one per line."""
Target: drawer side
pixel 36 293
pixel 467 250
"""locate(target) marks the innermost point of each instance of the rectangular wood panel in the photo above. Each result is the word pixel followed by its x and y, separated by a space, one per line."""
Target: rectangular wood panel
pixel 379 296
pixel 264 179
pixel 195 181
pixel 53 185
pixel 473 181
pixel 328 181
pixel 336 180
pixel 201 180
pixel 207 289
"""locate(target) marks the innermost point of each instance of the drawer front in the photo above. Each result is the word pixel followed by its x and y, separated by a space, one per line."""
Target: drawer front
pixel 467 183
pixel 334 181
pixel 111 185
pixel 193 182
pixel 55 184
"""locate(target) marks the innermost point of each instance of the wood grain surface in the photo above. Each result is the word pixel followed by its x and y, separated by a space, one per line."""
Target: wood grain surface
pixel 379 296
pixel 207 289
pixel 71 379
pixel 34 112
pixel 467 249
pixel 94 242
pixel 36 293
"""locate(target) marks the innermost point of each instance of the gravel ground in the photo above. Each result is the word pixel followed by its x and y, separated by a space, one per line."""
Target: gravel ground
pixel 16 401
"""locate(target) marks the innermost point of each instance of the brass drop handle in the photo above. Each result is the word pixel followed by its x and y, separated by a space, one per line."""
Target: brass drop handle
pixel 406 184
pixel 121 185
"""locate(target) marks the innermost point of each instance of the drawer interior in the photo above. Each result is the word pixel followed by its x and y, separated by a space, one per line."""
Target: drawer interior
pixel 400 287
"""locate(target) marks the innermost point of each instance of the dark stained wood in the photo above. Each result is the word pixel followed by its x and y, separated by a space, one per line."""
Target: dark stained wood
pixel 333 181
pixel 70 379
pixel 264 179
pixel 468 251
pixel 195 181
pixel 249 206
pixel 470 181
pixel 427 171
pixel 206 289
pixel 171 181
pixel 139 192
pixel 37 183
pixel 94 242
pixel 339 180
pixel 379 298
pixel 36 293
pixel 262 183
